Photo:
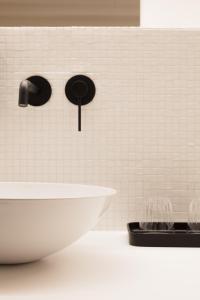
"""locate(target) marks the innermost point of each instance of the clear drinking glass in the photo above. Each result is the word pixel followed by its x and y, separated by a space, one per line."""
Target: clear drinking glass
pixel 158 214
pixel 194 215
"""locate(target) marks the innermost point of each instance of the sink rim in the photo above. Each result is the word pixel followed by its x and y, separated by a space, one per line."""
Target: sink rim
pixel 32 191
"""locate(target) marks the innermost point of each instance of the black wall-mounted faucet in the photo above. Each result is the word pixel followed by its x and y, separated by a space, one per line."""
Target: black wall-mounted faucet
pixel 35 91
pixel 80 90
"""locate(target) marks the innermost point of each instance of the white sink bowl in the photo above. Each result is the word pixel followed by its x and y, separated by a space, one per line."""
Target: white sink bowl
pixel 38 219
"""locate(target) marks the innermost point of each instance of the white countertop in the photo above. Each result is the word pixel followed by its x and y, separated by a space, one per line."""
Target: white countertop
pixel 103 266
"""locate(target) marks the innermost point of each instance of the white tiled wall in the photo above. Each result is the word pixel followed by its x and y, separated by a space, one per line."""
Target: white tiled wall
pixel 141 134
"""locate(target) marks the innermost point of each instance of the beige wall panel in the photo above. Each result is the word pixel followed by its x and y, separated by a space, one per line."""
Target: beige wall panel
pixel 140 135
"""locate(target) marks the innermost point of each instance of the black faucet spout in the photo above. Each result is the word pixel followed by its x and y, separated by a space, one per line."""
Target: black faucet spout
pixel 25 90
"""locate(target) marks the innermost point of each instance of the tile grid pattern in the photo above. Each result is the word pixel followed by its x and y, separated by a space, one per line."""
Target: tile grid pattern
pixel 141 135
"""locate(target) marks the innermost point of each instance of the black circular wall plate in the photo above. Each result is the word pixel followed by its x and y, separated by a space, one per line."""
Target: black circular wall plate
pixel 44 91
pixel 80 88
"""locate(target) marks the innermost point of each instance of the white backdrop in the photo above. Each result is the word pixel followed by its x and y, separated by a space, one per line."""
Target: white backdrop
pixel 170 13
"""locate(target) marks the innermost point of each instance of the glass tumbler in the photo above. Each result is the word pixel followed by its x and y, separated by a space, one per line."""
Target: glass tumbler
pixel 158 214
pixel 194 215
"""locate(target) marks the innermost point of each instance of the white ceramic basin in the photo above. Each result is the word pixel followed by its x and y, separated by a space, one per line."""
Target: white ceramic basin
pixel 38 219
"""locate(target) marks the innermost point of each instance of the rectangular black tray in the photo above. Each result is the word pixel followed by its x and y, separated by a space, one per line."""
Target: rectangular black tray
pixel 179 236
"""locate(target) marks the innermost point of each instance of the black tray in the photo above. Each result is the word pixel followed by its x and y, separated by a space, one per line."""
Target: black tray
pixel 179 236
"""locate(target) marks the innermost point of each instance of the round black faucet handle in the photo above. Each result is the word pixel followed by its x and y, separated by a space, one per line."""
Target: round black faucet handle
pixel 80 90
